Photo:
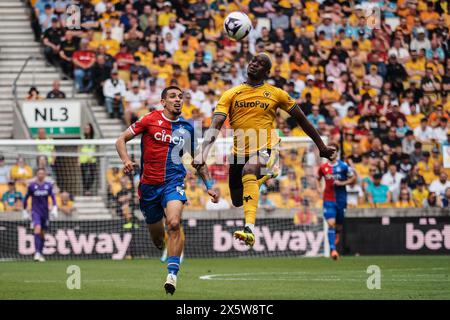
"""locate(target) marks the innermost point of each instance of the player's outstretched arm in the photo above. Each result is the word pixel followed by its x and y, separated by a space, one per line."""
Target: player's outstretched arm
pixel 121 147
pixel 325 151
pixel 209 139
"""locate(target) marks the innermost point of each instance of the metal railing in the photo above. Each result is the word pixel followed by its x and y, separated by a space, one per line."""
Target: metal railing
pixel 19 120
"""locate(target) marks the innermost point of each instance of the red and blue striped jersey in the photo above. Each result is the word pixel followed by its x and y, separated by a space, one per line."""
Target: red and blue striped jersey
pixel 163 143
pixel 331 172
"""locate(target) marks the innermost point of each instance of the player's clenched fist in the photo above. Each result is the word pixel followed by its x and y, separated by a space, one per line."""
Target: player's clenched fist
pixel 214 195
pixel 128 167
pixel 328 152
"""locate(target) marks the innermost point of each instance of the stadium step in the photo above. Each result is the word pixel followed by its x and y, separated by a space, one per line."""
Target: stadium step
pixel 5 122
pixel 94 216
pixel 13 23
pixel 36 76
pixel 90 205
pixel 14 56
pixel 90 211
pixel 42 82
pixel 14 49
pixel 15 70
pixel 13 9
pixel 14 30
pixel 87 198
pixel 108 121
pixel 38 63
pixel 27 44
pixel 16 37
pixel 16 17
pixel 6 135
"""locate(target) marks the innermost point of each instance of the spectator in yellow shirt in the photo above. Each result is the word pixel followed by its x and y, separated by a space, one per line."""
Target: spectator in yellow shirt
pixel 363 168
pixel 367 89
pixel 179 76
pixel 420 193
pixel 164 69
pixel 21 172
pixel 282 64
pixel 188 107
pixel 430 17
pixel 66 205
pixel 111 45
pixel 311 89
pixel 415 67
pixel 145 55
pixel 194 194
pixel 404 200
pixel 166 14
pixel 329 94
pixel 184 56
pixel 283 201
pixel 350 121
pixel 413 119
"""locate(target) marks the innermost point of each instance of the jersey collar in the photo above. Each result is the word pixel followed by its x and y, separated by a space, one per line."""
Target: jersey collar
pixel 162 114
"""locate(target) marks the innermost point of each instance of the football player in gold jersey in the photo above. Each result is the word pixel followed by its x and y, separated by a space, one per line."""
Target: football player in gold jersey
pixel 252 108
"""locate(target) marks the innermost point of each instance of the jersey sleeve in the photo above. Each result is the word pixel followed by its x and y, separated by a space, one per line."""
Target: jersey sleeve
pixel 140 126
pixel 285 102
pixel 349 170
pixel 224 104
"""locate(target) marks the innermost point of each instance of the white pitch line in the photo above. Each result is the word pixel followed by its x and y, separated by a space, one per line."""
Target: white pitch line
pixel 251 277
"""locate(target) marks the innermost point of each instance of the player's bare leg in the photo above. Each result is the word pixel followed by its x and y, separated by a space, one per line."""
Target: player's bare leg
pixel 175 243
pixel 39 237
pixel 332 238
pixel 338 233
pixel 157 233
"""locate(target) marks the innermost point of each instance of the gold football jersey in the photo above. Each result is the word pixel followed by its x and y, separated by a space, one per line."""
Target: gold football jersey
pixel 252 111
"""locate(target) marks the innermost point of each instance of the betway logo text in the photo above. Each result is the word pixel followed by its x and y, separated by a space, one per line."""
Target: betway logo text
pixel 309 242
pixel 251 104
pixel 432 239
pixel 66 242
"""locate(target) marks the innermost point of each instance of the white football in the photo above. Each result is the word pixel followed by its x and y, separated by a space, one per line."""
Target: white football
pixel 237 25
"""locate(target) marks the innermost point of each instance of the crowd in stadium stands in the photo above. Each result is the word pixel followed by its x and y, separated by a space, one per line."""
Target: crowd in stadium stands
pixel 375 83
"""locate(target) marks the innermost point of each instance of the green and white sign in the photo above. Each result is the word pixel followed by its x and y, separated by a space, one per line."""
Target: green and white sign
pixel 58 116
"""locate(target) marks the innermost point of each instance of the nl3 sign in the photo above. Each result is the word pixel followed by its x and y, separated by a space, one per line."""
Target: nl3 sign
pixel 58 116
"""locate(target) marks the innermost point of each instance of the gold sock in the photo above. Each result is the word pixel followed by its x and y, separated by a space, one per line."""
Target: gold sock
pixel 251 197
pixel 262 180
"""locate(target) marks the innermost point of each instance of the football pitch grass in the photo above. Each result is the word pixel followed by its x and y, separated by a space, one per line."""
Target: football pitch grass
pixel 402 277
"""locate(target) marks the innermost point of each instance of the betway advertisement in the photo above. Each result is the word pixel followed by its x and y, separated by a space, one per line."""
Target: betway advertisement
pixel 402 235
pixel 204 238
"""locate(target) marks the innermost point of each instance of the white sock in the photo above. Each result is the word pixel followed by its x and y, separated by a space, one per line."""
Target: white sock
pixel 251 227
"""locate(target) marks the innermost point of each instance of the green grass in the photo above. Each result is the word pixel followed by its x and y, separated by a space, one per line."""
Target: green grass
pixel 406 277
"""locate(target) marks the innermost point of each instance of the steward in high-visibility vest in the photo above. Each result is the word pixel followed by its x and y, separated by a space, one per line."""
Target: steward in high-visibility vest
pixel 86 154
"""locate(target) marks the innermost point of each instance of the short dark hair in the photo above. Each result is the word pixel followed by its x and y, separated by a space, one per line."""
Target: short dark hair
pixel 164 92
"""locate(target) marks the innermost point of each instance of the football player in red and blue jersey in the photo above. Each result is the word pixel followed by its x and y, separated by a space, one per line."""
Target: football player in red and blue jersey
pixel 166 136
pixel 337 175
